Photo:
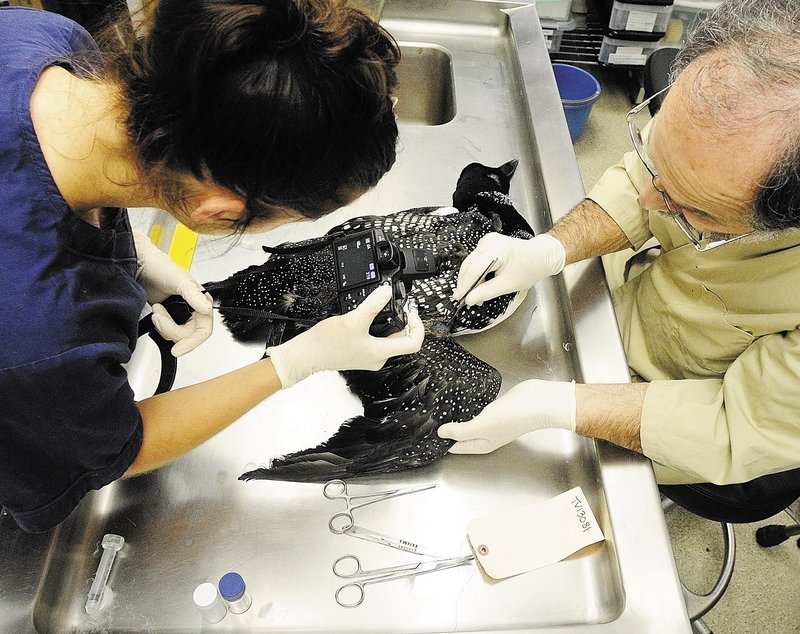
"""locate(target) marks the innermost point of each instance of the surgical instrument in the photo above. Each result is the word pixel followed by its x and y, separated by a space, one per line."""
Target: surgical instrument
pixel 341 521
pixel 349 567
pixel 461 302
pixel 387 540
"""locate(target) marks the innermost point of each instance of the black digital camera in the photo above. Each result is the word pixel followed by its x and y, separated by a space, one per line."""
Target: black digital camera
pixel 366 259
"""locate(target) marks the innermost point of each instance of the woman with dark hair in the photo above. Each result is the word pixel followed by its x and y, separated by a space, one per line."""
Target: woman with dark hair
pixel 231 116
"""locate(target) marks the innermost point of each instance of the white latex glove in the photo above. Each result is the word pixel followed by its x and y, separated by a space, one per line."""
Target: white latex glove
pixel 344 343
pixel 528 406
pixel 161 277
pixel 520 264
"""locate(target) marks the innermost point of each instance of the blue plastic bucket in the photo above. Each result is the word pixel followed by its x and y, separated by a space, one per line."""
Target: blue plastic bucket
pixel 578 90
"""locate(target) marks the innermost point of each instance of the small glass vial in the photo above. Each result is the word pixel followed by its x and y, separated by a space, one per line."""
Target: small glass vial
pixel 234 592
pixel 209 603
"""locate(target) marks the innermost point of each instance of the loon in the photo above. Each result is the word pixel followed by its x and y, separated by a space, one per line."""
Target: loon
pixel 407 400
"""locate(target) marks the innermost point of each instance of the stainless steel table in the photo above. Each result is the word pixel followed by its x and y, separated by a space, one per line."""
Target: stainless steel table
pixel 475 85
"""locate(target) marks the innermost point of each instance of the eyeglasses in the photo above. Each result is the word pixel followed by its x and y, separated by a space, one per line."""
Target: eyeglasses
pixel 700 242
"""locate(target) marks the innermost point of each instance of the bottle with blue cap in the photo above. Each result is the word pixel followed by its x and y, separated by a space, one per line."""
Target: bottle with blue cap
pixel 233 591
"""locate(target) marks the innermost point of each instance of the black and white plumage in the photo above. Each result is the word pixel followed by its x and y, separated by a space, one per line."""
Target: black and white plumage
pixel 412 395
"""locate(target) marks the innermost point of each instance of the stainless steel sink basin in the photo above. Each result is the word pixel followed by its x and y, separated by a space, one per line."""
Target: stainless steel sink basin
pixel 475 85
pixel 426 91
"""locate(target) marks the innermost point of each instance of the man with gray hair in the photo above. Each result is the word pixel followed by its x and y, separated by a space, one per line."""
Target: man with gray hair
pixel 700 229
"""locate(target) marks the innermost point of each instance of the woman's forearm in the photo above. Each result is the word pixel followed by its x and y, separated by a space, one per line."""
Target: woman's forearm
pixel 180 420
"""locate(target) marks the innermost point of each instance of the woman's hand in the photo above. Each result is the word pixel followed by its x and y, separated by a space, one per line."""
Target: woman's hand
pixel 344 343
pixel 161 277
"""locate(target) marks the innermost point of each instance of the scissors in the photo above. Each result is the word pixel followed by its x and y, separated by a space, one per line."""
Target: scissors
pixel 342 521
pixel 461 302
pixel 351 594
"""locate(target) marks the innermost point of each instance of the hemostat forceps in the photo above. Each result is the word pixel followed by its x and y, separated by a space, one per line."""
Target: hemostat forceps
pixel 388 540
pixel 463 301
pixel 342 521
pixel 351 594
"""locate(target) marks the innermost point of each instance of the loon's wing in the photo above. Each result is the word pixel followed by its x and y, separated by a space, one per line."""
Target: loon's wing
pixel 405 402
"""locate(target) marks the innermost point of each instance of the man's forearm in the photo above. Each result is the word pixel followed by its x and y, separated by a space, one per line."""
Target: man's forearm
pixel 588 231
pixel 611 412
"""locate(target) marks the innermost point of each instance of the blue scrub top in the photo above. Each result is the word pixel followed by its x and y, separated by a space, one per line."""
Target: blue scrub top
pixel 70 304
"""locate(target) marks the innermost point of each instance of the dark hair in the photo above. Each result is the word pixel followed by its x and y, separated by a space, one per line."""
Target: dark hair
pixel 761 37
pixel 285 102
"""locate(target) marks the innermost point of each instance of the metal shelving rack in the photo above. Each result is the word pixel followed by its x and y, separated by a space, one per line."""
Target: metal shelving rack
pixel 581 45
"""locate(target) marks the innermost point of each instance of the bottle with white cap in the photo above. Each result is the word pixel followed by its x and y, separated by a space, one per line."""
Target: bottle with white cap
pixel 210 604
pixel 233 591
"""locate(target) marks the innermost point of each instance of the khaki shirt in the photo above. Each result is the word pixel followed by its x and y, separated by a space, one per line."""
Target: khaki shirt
pixel 716 335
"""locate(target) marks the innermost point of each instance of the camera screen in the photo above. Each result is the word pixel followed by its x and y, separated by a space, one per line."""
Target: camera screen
pixel 355 260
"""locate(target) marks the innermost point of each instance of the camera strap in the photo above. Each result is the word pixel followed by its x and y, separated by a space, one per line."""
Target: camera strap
pixel 246 311
pixel 180 310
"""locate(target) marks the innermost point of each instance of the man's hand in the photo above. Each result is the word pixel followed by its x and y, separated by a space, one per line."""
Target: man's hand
pixel 520 264
pixel 528 406
pixel 161 277
pixel 344 343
